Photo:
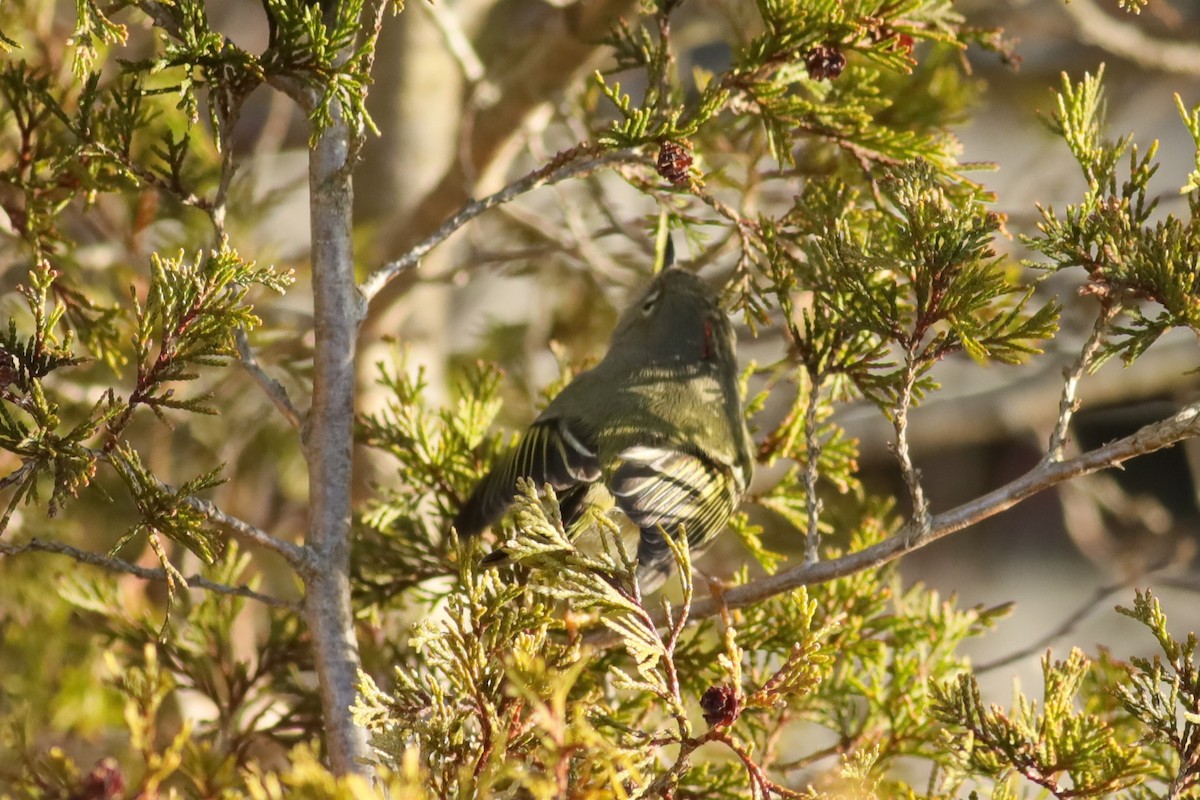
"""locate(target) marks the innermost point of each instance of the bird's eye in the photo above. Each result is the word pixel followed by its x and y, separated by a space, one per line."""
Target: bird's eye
pixel 651 301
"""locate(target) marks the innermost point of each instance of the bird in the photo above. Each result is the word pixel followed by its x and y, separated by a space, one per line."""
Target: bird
pixel 658 423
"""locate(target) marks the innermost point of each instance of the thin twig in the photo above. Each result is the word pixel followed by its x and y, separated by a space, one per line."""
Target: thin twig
pixel 228 120
pixel 1068 624
pixel 373 15
pixel 596 259
pixel 669 645
pixel 746 227
pixel 158 574
pixel 298 556
pixel 1068 402
pixel 812 448
pixel 1012 400
pixel 760 784
pixel 841 748
pixel 273 388
pixel 568 164
pixel 20 477
pixel 229 110
pixel 1156 436
pixel 912 478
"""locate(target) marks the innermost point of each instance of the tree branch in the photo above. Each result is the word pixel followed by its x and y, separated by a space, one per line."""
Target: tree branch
pixel 531 58
pixel 1156 436
pixel 159 574
pixel 567 164
pixel 298 556
pixel 1085 608
pixel 1068 403
pixel 812 449
pixel 912 476
pixel 273 388
pixel 1006 401
pixel 337 312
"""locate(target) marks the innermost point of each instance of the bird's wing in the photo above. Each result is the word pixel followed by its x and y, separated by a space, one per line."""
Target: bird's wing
pixel 555 450
pixel 663 488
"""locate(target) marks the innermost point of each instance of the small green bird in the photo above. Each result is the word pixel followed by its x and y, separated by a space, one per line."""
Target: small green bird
pixel 658 422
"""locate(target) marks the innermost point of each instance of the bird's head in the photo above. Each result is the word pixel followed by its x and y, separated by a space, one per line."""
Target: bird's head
pixel 677 319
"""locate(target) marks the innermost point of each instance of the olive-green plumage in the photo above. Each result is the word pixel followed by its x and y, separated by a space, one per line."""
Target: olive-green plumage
pixel 658 421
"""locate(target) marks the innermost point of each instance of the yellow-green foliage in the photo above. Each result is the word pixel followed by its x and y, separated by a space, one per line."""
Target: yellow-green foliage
pixel 552 676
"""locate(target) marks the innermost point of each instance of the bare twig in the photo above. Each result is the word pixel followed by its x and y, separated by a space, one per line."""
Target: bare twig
pixel 228 117
pixel 746 226
pixel 22 478
pixel 1068 403
pixel 158 574
pixel 569 39
pixel 229 110
pixel 596 258
pixel 912 478
pixel 298 556
pixel 576 162
pixel 1006 401
pixel 812 449
pixel 760 784
pixel 538 225
pixel 670 643
pixel 273 388
pixel 372 26
pixel 1068 624
pixel 1156 436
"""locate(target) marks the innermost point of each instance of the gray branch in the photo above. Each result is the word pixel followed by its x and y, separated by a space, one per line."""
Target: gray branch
pixel 1156 436
pixel 1068 402
pixel 146 573
pixel 337 311
pixel 296 555
pixel 273 388
pixel 554 172
pixel 1084 610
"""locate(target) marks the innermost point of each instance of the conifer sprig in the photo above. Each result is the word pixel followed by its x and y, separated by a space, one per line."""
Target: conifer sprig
pixel 1143 267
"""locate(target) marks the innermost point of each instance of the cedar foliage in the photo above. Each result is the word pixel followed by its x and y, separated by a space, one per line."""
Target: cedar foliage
pixel 551 677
